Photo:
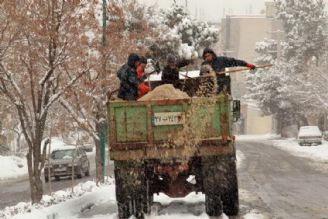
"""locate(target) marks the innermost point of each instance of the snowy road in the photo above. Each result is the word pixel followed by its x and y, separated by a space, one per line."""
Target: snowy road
pixel 273 184
pixel 281 185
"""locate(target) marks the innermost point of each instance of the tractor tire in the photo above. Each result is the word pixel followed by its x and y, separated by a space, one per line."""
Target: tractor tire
pixel 131 194
pixel 213 205
pixel 211 179
pixel 220 185
pixel 148 197
pixel 230 197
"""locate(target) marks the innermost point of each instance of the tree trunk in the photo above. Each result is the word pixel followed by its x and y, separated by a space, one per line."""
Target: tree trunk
pixel 279 120
pixel 34 173
pixel 99 164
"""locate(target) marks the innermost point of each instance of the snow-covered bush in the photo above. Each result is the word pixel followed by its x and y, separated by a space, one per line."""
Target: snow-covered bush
pixel 180 34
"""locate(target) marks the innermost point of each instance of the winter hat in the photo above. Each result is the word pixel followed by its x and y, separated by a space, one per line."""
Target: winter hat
pixel 133 57
pixel 208 50
pixel 171 59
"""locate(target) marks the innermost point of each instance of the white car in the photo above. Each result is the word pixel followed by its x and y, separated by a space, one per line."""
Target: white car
pixel 309 135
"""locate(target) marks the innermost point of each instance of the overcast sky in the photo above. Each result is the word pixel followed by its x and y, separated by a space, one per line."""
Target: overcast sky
pixel 214 10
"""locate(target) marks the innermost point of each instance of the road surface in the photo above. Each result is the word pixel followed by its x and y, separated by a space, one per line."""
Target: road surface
pixel 280 184
pixel 272 183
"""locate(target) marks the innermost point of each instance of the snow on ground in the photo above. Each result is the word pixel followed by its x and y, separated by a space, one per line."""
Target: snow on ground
pixel 256 137
pixel 64 204
pixel 318 152
pixel 12 167
pixel 88 196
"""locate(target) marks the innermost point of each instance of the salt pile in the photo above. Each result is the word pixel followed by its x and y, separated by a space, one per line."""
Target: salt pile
pixel 163 92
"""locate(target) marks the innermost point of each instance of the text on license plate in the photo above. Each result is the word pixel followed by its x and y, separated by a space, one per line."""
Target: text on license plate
pixel 168 118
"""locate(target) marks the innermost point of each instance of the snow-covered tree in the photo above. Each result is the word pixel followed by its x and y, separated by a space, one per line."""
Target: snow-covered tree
pixel 270 87
pixel 305 25
pixel 180 34
pixel 128 30
pixel 289 90
pixel 43 51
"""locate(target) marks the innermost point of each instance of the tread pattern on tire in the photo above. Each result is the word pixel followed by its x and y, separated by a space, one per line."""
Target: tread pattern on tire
pixel 220 185
pixel 132 195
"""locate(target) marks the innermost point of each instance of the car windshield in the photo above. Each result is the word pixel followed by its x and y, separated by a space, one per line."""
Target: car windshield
pixel 62 154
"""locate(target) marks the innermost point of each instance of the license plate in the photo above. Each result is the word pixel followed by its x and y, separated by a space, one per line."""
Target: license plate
pixel 168 118
pixel 60 169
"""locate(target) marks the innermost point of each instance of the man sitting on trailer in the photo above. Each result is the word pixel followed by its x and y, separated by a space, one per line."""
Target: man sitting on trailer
pixel 129 81
pixel 219 63
pixel 170 73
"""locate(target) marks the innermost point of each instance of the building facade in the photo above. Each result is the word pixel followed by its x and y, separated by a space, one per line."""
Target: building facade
pixel 239 35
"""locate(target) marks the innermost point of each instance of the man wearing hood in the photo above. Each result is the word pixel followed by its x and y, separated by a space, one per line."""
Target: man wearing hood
pixel 129 81
pixel 170 73
pixel 219 63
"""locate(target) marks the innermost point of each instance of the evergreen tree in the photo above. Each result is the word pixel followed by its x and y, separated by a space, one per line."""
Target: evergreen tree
pixel 289 90
pixel 181 35
pixel 304 22
pixel 270 87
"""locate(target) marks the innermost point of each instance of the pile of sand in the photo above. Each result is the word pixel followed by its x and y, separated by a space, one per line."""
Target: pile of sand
pixel 163 92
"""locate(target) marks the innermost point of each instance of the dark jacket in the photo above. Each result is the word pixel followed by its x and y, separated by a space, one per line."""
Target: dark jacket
pixel 129 82
pixel 219 63
pixel 171 76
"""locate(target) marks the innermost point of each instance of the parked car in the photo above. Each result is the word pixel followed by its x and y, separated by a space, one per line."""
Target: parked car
pixel 64 160
pixel 309 135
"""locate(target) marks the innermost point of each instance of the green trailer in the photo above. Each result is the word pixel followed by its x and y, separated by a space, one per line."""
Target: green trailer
pixel 176 147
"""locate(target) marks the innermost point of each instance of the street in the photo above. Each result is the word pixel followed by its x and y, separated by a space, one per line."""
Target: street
pixel 282 185
pixel 272 183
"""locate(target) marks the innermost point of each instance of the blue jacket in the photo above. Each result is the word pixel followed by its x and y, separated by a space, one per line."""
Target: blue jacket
pixel 219 63
pixel 129 82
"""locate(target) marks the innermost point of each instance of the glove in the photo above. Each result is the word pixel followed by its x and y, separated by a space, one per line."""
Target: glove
pixel 143 88
pixel 250 66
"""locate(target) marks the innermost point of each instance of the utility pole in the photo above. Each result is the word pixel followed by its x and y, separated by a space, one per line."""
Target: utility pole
pixel 104 24
pixel 102 133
